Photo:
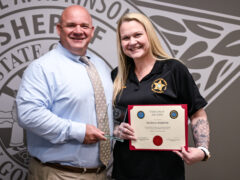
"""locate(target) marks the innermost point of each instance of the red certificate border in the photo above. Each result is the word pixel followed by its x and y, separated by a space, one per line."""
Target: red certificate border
pixel 184 106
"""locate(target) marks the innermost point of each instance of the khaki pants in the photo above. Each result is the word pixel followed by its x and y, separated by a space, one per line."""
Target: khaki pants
pixel 38 171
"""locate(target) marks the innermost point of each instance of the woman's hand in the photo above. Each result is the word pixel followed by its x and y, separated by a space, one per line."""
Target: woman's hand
pixel 191 156
pixel 124 131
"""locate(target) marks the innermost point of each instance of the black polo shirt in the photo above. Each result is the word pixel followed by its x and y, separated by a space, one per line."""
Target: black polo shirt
pixel 169 82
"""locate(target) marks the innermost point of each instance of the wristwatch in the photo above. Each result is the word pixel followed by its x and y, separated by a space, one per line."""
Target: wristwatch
pixel 206 153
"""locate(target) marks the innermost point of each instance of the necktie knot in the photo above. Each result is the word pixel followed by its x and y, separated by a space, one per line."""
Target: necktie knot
pixel 84 59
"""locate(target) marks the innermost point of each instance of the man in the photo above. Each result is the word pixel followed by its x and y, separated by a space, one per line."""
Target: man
pixel 56 105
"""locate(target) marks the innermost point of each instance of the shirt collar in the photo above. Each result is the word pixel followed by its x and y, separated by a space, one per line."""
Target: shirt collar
pixel 157 69
pixel 71 56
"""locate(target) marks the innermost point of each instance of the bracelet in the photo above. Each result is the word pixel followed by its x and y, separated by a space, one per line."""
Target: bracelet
pixel 206 153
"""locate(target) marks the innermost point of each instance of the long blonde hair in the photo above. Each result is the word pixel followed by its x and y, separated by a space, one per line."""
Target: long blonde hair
pixel 124 61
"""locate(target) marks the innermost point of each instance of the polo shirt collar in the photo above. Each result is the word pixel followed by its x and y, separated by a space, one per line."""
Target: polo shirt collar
pixel 157 68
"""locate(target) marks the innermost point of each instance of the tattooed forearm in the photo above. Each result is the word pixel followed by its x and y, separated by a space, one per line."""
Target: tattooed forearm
pixel 200 131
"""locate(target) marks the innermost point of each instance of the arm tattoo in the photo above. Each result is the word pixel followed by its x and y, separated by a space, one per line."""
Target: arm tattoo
pixel 200 131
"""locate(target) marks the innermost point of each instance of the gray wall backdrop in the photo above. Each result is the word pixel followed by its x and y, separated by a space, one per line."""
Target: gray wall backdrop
pixel 204 34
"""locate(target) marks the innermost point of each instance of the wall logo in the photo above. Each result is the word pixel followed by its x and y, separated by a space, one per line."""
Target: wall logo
pixel 27 31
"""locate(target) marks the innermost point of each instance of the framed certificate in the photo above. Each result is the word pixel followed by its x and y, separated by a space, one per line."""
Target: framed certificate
pixel 159 127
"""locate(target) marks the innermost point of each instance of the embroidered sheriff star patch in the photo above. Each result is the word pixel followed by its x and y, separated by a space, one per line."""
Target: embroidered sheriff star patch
pixel 159 85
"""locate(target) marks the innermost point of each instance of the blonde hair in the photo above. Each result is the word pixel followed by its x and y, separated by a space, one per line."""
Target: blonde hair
pixel 124 61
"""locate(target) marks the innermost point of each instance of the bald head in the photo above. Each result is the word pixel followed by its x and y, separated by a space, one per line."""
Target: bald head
pixel 75 29
pixel 74 9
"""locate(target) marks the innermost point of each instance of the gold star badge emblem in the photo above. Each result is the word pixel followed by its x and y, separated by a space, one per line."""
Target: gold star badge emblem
pixel 159 85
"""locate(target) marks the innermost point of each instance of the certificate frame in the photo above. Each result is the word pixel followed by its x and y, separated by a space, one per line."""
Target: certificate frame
pixel 158 139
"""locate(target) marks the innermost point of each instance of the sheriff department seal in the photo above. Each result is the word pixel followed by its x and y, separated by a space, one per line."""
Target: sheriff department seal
pixel 173 114
pixel 140 114
pixel 28 30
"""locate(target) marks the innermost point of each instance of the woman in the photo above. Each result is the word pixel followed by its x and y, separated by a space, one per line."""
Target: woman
pixel 142 61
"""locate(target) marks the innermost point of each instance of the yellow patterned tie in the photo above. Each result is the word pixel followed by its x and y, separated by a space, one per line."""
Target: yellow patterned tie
pixel 101 109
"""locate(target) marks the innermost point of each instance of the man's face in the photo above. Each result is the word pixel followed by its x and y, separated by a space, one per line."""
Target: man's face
pixel 75 30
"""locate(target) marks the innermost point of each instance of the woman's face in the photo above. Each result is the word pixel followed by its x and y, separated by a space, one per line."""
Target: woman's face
pixel 134 40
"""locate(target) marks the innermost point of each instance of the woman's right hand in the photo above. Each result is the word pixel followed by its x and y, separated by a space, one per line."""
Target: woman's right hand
pixel 124 131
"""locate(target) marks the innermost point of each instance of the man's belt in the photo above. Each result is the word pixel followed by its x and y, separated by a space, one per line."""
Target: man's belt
pixel 72 169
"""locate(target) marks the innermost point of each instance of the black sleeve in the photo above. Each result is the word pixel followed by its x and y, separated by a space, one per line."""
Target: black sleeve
pixel 188 91
pixel 114 73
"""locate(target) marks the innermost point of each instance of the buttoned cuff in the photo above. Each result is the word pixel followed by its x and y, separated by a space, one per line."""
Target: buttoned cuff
pixel 78 131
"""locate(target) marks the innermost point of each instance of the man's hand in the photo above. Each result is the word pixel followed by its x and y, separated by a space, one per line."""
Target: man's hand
pixel 191 156
pixel 93 135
